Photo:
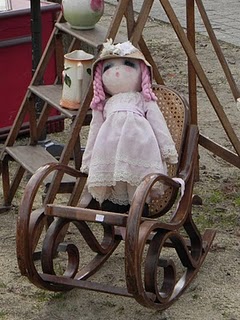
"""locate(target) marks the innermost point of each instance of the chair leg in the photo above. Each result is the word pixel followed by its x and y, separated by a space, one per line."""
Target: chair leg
pixel 162 283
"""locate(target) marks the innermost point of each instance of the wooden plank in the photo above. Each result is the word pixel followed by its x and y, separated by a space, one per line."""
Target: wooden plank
pixel 84 284
pixel 30 157
pixel 33 157
pixel 94 37
pixel 52 95
pixel 220 151
pixel 83 214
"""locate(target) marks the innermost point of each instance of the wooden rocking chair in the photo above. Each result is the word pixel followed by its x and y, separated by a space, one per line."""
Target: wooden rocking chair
pixel 163 252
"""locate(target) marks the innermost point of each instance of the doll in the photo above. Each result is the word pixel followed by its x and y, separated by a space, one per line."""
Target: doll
pixel 128 136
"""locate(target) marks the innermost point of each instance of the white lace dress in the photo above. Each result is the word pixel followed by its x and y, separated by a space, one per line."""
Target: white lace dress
pixel 127 141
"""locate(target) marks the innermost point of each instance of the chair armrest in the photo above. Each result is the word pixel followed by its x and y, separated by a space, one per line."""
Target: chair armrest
pixel 36 181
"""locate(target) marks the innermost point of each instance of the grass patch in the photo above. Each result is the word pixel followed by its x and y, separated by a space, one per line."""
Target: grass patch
pixel 45 296
pixel 3 315
pixel 237 201
pixel 220 209
pixel 216 196
pixel 2 285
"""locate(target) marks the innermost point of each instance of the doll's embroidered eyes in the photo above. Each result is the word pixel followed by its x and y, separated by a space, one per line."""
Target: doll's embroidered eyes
pixel 130 63
pixel 107 66
pixel 126 62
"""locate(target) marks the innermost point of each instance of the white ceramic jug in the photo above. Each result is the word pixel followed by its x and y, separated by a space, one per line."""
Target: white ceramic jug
pixel 76 78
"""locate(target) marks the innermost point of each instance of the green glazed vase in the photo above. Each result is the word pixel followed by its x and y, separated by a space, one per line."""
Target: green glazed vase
pixel 82 14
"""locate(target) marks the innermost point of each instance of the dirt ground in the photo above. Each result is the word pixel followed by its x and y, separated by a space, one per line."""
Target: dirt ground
pixel 214 294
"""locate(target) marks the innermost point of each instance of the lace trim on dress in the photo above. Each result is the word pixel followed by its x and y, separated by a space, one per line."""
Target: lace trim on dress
pixel 122 200
pixel 108 180
pixel 120 197
pixel 125 159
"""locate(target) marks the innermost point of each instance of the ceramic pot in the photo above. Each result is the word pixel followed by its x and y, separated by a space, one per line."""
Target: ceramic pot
pixel 76 78
pixel 82 14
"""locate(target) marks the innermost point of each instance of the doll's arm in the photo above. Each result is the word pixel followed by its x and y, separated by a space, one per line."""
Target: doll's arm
pixel 95 125
pixel 162 133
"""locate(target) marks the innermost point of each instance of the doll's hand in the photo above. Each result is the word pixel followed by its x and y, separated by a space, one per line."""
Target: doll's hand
pixel 170 155
pixel 173 159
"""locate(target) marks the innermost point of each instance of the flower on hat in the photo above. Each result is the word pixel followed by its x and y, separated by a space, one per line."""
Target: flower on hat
pixel 120 49
pixel 108 48
pixel 125 48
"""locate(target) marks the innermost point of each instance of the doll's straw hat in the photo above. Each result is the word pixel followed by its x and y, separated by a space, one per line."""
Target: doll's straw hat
pixel 120 50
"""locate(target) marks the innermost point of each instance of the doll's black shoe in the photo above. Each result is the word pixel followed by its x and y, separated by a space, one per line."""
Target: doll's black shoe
pixel 145 211
pixel 108 205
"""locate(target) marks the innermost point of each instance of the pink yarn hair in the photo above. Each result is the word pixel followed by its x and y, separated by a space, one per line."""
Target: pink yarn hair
pixel 99 94
pixel 146 83
pixel 98 91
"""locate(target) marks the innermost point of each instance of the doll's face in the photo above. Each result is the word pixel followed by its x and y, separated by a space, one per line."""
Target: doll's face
pixel 121 75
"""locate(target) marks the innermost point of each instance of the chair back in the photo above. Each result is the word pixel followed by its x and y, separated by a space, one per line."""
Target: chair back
pixel 176 113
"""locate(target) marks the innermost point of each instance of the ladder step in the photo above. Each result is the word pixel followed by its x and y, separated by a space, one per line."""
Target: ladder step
pixel 94 37
pixel 52 95
pixel 33 157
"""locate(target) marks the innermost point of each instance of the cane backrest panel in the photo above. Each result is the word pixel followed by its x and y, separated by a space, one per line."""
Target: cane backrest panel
pixel 175 111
